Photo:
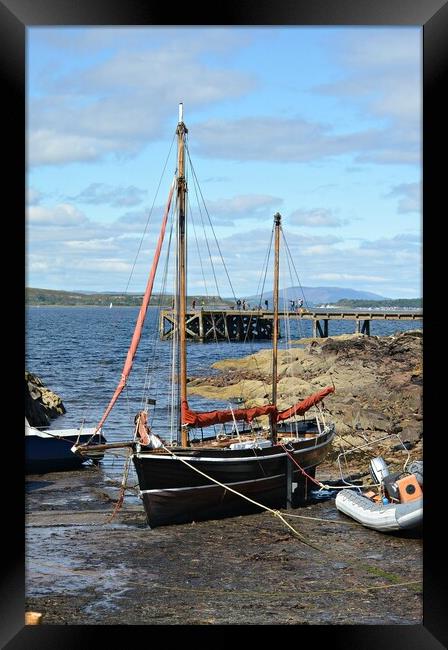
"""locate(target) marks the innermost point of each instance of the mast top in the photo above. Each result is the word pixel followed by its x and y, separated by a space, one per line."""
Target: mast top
pixel 277 218
pixel 181 128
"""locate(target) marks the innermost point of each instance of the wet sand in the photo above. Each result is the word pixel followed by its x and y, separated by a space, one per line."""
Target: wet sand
pixel 81 569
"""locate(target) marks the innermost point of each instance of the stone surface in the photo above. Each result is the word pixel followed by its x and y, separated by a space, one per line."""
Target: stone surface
pixel 41 404
pixel 378 382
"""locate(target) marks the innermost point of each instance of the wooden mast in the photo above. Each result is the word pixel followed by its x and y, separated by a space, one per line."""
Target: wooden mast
pixel 277 222
pixel 182 264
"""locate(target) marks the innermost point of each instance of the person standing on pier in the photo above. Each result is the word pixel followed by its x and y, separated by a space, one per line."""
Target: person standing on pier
pixel 193 304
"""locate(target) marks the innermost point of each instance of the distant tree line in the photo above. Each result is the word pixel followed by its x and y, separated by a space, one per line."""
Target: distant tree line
pixel 405 303
pixel 54 298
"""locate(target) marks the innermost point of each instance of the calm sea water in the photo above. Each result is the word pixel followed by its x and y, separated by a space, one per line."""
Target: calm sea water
pixel 78 352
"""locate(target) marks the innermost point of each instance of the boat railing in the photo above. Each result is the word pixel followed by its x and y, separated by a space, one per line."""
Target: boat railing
pixel 365 446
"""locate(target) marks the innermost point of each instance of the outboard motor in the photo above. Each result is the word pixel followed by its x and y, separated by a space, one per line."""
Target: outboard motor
pixel 378 469
pixel 416 468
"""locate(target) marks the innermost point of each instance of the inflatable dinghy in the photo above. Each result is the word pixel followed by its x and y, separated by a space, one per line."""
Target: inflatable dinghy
pixel 379 516
pixel 400 508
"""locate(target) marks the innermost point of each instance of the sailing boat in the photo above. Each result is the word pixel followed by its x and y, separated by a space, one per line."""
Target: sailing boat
pixel 220 476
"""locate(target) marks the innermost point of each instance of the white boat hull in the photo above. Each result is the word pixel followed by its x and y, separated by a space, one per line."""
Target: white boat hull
pixel 392 516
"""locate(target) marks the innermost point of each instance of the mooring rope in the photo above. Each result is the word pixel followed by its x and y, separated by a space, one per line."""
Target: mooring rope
pixel 275 513
pixel 122 487
pixel 287 594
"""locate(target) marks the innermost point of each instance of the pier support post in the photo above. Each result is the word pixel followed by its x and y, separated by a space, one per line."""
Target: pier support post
pixel 366 328
pixel 363 328
pixel 318 332
pixel 201 325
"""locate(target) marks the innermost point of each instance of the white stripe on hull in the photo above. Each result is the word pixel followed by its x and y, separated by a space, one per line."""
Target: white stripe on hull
pixel 200 487
pixel 221 459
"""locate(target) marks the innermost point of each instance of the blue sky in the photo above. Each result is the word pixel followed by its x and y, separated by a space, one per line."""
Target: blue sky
pixel 320 124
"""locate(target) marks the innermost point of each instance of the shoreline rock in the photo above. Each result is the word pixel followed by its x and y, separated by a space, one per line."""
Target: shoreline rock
pixel 41 403
pixel 378 382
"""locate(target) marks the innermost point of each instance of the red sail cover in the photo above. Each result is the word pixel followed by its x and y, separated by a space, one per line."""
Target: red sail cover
pixel 195 419
pixel 301 407
pixel 208 418
pixel 141 316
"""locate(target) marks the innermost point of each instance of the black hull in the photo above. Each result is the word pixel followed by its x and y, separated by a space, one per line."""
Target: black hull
pixel 184 505
pixel 173 493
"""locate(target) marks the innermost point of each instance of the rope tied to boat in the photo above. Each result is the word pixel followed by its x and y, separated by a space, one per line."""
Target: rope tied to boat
pixel 288 453
pixel 123 486
pixel 275 513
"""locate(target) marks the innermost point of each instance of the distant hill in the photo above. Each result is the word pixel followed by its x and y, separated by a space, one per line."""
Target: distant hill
pixel 314 296
pixel 54 298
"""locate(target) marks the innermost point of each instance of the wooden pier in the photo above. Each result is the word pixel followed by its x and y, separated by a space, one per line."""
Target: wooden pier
pixel 257 324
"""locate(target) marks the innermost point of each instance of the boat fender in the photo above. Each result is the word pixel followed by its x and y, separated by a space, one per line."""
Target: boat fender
pixel 155 441
pixel 141 421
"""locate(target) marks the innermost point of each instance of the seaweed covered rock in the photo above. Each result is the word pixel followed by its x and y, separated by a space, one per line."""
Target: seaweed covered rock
pixel 378 381
pixel 41 404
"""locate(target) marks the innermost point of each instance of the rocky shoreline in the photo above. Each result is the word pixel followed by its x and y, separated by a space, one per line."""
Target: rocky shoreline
pixel 378 382
pixel 41 403
pixel 83 568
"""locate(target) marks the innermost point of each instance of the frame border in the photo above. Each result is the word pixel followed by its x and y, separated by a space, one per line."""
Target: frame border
pixel 432 16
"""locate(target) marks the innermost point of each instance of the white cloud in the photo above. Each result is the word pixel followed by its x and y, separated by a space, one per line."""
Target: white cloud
pixel 33 196
pixel 101 193
pixel 92 244
pixel 119 105
pixel 52 147
pixel 100 265
pixel 350 277
pixel 243 206
pixel 403 241
pixel 101 258
pixel 410 194
pixel 316 218
pixel 37 266
pixel 63 214
pixel 298 140
pixel 382 77
pixel 320 249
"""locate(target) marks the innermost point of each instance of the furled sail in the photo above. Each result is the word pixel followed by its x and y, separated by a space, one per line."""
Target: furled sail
pixel 141 316
pixel 301 407
pixel 198 419
pixel 208 418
